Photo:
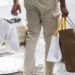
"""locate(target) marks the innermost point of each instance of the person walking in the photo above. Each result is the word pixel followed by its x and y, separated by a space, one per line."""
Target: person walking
pixel 40 13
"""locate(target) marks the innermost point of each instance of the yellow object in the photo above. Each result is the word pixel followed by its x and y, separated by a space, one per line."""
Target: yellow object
pixel 61 25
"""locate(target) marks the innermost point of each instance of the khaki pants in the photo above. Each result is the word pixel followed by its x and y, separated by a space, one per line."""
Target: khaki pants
pixel 36 20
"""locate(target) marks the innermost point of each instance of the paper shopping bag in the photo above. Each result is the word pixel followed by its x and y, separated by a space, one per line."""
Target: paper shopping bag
pixel 67 44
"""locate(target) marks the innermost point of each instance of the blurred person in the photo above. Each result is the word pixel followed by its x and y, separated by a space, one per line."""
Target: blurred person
pixel 40 13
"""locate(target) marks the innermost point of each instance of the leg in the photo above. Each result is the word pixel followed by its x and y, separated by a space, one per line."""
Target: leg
pixel 34 28
pixel 49 24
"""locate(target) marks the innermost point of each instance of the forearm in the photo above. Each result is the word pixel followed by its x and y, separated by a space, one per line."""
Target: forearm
pixel 63 8
pixel 16 1
pixel 62 3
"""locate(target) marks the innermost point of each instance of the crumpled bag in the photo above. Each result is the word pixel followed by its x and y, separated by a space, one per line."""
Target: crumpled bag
pixel 9 35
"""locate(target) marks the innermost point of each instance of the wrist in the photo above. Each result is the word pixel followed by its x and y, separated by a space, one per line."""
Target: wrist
pixel 62 6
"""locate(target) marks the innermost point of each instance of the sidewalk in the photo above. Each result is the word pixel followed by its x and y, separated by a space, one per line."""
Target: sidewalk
pixel 13 63
pixel 38 71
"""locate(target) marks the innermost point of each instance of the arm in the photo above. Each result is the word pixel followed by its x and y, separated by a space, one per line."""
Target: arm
pixel 16 7
pixel 62 3
pixel 16 1
pixel 63 8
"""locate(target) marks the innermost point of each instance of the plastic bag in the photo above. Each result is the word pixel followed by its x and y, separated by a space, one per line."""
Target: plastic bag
pixel 9 35
pixel 54 54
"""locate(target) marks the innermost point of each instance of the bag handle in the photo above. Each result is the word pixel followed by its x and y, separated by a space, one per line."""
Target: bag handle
pixel 70 22
pixel 61 25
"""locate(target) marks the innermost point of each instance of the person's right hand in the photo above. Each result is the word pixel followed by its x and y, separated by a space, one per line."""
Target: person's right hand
pixel 16 7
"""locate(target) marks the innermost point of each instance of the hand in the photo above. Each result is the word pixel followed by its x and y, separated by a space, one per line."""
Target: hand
pixel 16 7
pixel 64 12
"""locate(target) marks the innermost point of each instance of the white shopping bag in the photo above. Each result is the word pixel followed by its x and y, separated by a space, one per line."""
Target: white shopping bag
pixel 54 54
pixel 8 35
pixel 4 29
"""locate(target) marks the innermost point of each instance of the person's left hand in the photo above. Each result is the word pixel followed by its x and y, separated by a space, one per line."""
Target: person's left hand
pixel 64 11
pixel 16 7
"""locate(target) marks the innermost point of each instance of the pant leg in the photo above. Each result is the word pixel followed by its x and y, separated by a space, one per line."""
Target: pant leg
pixel 34 28
pixel 49 25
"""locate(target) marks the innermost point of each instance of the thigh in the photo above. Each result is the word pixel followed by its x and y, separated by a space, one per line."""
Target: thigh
pixel 33 18
pixel 34 24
